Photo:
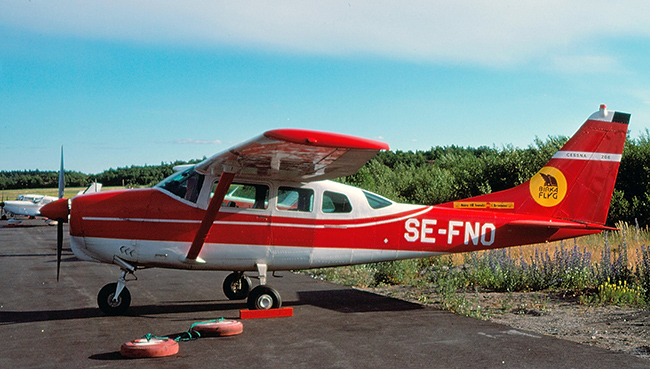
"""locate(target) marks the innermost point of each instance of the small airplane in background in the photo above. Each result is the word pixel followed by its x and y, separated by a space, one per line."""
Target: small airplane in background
pixel 30 205
pixel 268 205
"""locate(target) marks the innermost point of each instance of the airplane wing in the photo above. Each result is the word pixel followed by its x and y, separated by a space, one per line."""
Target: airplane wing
pixel 282 154
pixel 295 155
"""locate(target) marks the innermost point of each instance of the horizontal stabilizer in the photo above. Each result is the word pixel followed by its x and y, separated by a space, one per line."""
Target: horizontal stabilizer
pixel 559 224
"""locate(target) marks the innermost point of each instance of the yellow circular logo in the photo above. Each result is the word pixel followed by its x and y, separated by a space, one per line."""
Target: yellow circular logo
pixel 548 187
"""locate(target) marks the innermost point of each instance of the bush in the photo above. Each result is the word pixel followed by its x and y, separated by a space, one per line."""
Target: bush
pixel 396 272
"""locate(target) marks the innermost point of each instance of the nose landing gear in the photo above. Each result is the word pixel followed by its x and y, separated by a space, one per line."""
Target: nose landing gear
pixel 115 298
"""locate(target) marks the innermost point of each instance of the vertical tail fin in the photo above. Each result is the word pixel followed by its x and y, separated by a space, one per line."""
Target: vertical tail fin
pixel 93 188
pixel 577 183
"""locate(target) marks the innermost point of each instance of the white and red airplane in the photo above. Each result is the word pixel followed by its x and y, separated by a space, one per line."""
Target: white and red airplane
pixel 28 205
pixel 268 205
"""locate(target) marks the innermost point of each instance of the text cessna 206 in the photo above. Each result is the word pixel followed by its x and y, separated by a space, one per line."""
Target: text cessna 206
pixel 268 205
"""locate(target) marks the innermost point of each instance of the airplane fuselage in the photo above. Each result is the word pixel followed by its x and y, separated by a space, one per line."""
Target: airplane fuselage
pixel 28 205
pixel 267 204
pixel 154 228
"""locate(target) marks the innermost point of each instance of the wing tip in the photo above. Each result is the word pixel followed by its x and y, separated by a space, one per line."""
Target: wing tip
pixel 325 139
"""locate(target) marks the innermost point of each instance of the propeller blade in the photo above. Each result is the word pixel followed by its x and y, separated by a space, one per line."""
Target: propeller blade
pixel 59 225
pixel 59 247
pixel 61 177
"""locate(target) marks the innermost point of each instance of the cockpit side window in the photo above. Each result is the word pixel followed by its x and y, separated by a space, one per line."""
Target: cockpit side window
pixel 186 185
pixel 376 201
pixel 295 199
pixel 335 203
pixel 240 195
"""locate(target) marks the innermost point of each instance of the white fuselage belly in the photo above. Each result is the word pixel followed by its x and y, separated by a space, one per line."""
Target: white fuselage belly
pixel 230 257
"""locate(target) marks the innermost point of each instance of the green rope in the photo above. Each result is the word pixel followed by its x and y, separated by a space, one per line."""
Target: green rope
pixel 189 337
pixel 207 322
pixel 150 336
pixel 181 337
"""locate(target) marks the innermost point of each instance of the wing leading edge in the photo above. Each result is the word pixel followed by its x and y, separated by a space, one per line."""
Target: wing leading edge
pixel 295 155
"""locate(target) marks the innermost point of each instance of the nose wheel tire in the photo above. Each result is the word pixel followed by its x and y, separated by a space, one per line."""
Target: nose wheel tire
pixel 264 297
pixel 236 286
pixel 106 303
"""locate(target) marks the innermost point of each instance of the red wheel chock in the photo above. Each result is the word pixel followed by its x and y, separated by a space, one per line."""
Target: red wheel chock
pixel 270 313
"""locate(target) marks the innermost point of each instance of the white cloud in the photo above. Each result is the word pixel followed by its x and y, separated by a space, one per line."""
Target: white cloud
pixel 581 64
pixel 473 31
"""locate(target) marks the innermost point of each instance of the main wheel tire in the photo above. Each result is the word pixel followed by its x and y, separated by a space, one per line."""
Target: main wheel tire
pixel 263 298
pixel 153 347
pixel 106 303
pixel 236 286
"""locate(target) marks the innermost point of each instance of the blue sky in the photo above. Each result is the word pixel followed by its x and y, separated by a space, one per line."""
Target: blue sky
pixel 125 83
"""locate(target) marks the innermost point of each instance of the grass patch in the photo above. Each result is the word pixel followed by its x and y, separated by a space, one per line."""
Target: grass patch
pixel 610 268
pixel 616 293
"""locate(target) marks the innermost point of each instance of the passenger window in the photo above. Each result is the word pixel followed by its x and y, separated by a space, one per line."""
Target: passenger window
pixel 376 201
pixel 186 185
pixel 336 203
pixel 295 199
pixel 249 196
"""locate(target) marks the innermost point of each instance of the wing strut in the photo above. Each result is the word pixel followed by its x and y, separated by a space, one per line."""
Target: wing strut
pixel 210 215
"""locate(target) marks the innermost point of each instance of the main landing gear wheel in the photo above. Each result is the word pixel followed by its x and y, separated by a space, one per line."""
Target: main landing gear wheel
pixel 106 303
pixel 236 286
pixel 264 297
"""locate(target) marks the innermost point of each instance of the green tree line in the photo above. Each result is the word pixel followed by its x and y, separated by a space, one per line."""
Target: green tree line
pixel 451 173
pixel 133 176
pixel 429 177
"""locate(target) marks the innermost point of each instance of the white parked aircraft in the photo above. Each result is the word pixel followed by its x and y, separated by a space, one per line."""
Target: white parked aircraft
pixel 30 204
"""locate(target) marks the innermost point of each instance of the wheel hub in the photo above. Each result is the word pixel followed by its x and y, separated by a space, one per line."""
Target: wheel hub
pixel 112 302
pixel 265 302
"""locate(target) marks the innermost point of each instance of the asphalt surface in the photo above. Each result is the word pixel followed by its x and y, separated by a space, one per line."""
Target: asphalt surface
pixel 45 323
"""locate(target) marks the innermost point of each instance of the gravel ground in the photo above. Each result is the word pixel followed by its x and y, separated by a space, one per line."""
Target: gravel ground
pixel 617 328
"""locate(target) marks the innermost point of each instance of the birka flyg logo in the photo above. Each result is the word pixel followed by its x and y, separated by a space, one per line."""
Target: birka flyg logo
pixel 548 187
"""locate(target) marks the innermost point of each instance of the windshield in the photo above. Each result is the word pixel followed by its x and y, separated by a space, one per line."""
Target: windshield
pixel 186 184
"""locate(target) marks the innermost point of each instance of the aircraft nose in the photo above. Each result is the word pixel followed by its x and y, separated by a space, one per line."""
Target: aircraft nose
pixel 57 210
